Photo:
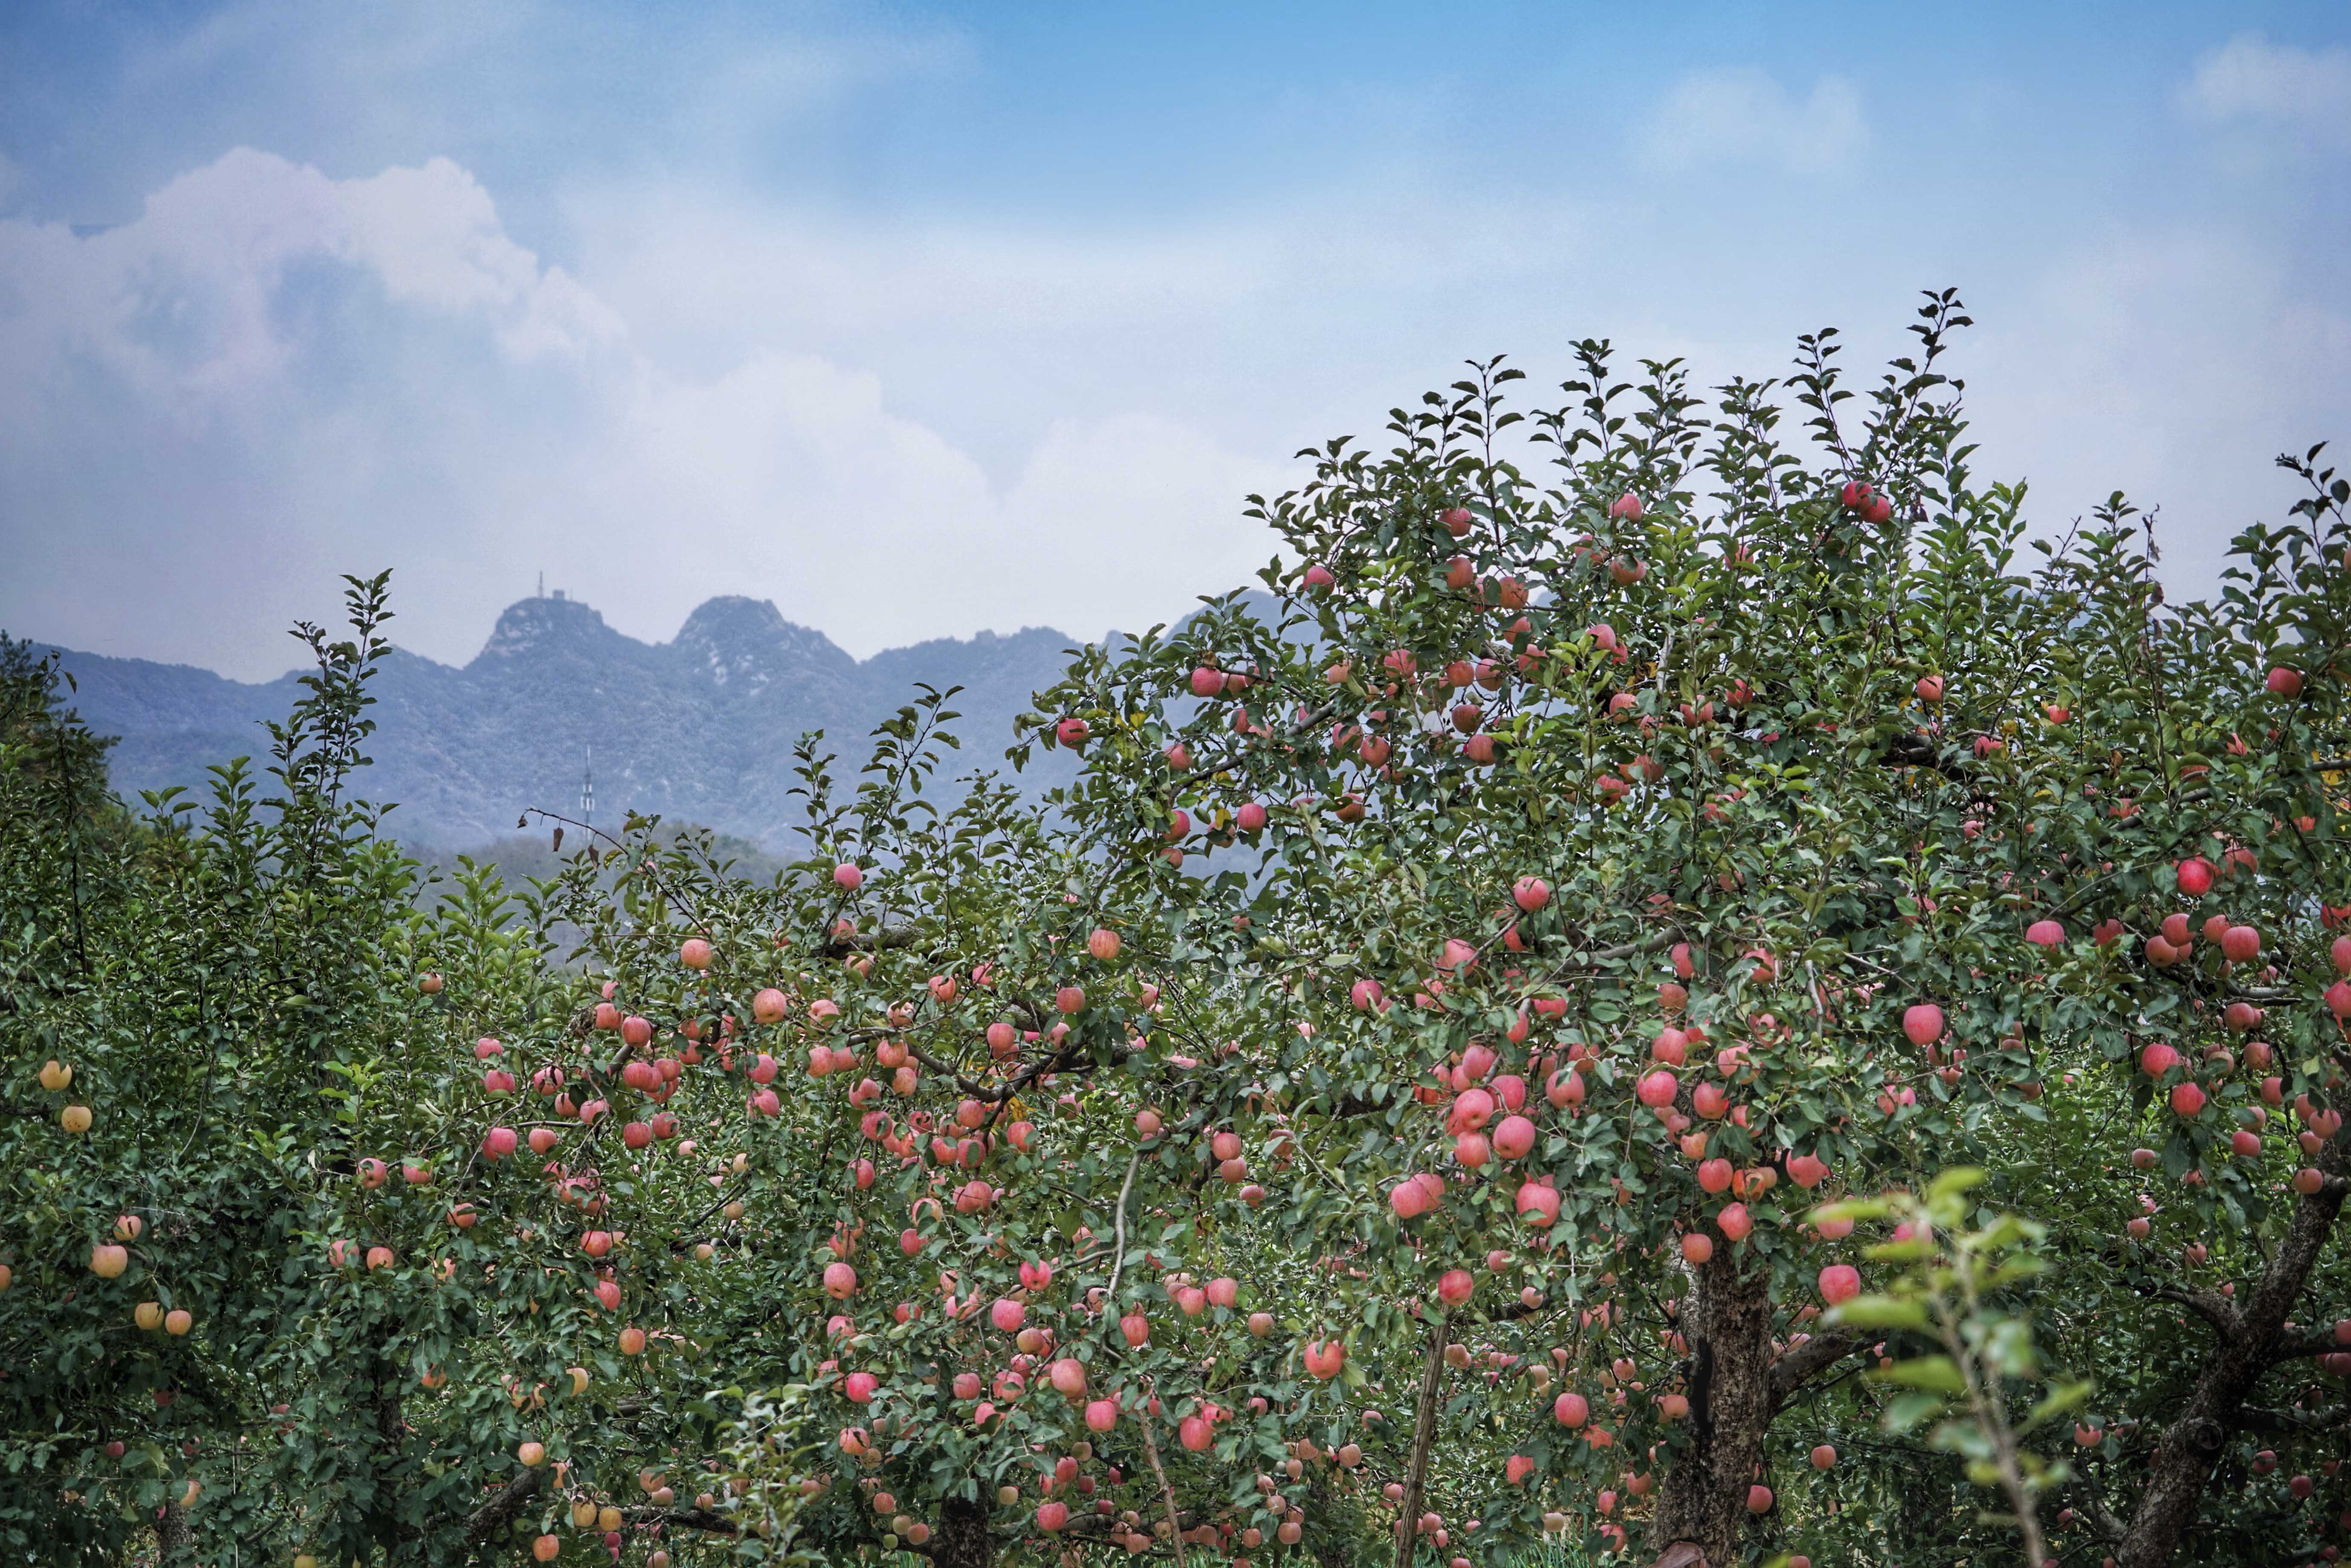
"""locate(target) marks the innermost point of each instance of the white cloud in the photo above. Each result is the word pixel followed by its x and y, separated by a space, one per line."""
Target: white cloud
pixel 899 427
pixel 2250 78
pixel 272 376
pixel 1741 116
pixel 2173 366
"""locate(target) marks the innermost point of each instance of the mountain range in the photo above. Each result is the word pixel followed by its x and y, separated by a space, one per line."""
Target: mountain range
pixel 697 729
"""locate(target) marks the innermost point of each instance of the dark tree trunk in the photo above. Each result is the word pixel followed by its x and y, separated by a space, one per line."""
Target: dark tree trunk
pixel 1728 1323
pixel 2245 1346
pixel 173 1539
pixel 963 1541
pixel 1424 1428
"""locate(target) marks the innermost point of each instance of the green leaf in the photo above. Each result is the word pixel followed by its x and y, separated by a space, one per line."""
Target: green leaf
pixel 1936 1373
pixel 1953 1183
pixel 2065 1398
pixel 1905 1412
pixel 1880 1313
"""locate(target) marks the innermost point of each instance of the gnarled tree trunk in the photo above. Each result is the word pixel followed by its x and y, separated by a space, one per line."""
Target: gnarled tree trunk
pixel 173 1538
pixel 963 1541
pixel 1728 1323
pixel 1424 1429
pixel 2246 1345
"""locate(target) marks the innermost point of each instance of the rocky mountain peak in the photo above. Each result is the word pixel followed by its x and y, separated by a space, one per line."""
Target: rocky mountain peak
pixel 744 643
pixel 529 626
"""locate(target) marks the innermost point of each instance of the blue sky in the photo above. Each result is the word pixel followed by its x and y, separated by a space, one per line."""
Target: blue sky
pixel 926 320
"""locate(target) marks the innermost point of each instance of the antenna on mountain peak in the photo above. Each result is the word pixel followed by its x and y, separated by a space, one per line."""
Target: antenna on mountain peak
pixel 542 585
pixel 588 789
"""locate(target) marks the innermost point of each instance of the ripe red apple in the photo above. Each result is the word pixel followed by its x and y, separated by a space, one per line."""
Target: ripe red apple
pixel 1514 1138
pixel 1923 1023
pixel 1839 1283
pixel 1571 1409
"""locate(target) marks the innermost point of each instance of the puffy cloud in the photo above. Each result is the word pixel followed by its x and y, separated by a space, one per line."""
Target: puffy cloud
pixel 2250 78
pixel 899 424
pixel 271 376
pixel 1741 116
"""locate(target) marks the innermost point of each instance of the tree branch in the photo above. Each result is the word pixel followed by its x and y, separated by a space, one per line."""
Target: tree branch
pixel 2300 1347
pixel 1799 1363
pixel 2209 1305
pixel 859 942
pixel 504 1509
pixel 2260 1419
pixel 685 1518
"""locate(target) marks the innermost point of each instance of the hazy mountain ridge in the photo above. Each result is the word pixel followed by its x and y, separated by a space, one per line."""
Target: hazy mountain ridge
pixel 699 728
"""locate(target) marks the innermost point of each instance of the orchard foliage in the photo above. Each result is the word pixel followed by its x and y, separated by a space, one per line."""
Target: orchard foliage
pixel 1757 816
pixel 1681 986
